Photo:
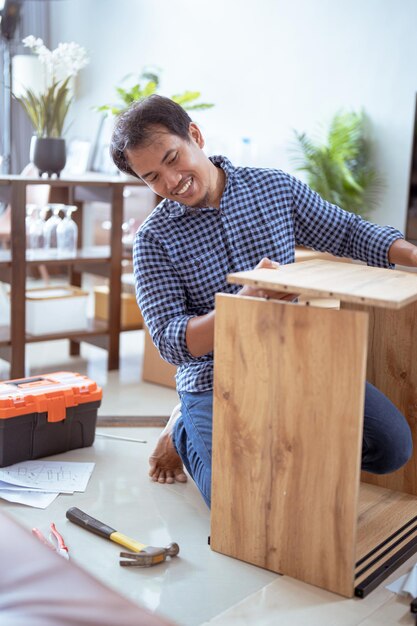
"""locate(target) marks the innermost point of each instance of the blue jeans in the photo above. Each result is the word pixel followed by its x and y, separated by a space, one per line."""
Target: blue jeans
pixel 387 443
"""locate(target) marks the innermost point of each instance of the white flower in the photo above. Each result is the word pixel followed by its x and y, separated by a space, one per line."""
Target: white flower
pixel 66 60
pixel 69 59
pixel 32 42
pixel 47 110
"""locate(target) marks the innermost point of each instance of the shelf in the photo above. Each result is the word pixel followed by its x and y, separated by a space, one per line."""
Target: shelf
pixel 90 179
pixel 105 261
pixel 95 328
pixel 84 256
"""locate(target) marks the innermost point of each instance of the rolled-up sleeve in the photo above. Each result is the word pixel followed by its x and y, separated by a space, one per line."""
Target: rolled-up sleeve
pixel 328 228
pixel 161 299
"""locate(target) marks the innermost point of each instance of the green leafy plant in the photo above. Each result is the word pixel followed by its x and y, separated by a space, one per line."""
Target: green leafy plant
pixel 340 169
pixel 48 109
pixel 47 112
pixel 147 85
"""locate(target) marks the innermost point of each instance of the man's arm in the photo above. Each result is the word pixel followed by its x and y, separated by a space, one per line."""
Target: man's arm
pixel 402 252
pixel 199 335
pixel 323 226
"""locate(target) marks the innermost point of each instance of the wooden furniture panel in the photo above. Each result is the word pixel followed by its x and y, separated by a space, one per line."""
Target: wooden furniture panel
pixel 386 534
pixel 349 282
pixel 285 476
pixel 381 513
pixel 392 368
pixel 286 452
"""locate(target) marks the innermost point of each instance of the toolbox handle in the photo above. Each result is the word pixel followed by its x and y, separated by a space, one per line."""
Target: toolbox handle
pixel 31 382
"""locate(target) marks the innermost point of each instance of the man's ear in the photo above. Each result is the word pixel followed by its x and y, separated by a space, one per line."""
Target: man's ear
pixel 195 135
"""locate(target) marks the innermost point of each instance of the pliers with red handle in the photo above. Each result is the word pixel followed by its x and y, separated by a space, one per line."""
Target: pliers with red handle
pixel 57 542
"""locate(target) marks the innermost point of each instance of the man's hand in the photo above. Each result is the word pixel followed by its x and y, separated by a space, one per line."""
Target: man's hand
pixel 199 334
pixel 254 292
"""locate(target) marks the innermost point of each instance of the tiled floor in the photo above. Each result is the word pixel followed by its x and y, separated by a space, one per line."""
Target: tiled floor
pixel 200 587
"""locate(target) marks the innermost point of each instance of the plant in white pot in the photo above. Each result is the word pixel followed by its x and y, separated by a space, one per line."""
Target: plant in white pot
pixel 47 110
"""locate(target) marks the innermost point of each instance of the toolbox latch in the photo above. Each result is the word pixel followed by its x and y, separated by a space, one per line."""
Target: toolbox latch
pixel 57 409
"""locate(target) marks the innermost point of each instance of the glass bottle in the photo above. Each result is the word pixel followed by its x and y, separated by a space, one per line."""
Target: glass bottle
pixel 67 233
pixel 50 228
pixel 30 216
pixel 35 231
pixel 128 236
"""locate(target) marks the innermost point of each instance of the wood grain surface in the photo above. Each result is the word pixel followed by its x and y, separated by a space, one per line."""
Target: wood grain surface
pixel 349 282
pixel 381 513
pixel 287 432
pixel 392 368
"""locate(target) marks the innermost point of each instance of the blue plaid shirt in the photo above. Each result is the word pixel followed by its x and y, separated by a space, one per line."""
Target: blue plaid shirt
pixel 182 256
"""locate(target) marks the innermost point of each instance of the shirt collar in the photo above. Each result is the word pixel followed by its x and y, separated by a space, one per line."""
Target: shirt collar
pixel 176 209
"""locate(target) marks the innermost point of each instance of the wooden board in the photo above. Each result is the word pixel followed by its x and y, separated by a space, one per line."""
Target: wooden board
pixel 392 368
pixel 387 521
pixel 381 512
pixel 287 436
pixel 307 254
pixel 349 282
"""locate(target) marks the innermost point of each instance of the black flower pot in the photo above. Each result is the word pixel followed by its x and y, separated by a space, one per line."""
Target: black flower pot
pixel 48 154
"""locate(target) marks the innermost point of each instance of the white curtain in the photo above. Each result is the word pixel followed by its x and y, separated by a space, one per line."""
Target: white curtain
pixel 34 20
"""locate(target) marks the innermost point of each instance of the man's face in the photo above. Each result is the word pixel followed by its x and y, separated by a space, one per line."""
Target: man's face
pixel 175 168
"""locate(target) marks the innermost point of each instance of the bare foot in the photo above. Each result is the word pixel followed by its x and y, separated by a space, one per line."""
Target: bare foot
pixel 165 464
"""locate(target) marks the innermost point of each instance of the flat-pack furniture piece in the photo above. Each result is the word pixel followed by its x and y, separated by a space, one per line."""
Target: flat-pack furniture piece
pixel 289 384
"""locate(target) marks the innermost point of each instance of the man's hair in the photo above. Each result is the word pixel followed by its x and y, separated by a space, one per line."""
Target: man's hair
pixel 136 127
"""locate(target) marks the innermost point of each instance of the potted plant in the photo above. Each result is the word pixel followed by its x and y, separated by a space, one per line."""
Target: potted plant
pixel 140 90
pixel 48 109
pixel 340 168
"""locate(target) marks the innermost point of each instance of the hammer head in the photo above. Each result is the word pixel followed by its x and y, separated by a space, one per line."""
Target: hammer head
pixel 149 556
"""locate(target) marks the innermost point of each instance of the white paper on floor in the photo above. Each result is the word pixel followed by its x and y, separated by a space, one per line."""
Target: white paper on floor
pixel 406 584
pixel 37 499
pixel 37 483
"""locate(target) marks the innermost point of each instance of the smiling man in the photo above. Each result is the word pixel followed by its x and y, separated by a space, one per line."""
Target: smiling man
pixel 216 219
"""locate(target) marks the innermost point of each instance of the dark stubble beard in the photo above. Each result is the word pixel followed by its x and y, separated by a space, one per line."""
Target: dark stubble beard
pixel 204 202
pixel 201 204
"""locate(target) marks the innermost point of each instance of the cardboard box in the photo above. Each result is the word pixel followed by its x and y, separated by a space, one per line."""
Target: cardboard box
pixel 46 414
pixel 130 316
pixel 155 369
pixel 56 310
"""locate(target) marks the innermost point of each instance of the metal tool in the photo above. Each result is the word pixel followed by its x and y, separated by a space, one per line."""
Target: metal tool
pixel 149 556
pixel 144 556
pixel 57 542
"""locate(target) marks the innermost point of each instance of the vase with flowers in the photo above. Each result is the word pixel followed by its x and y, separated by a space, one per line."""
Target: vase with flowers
pixel 47 109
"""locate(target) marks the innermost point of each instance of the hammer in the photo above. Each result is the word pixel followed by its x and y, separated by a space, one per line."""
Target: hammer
pixel 145 556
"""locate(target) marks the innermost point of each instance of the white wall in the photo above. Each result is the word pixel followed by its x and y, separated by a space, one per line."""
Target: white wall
pixel 270 66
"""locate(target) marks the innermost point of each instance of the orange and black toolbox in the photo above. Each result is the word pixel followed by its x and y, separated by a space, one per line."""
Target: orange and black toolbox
pixel 46 415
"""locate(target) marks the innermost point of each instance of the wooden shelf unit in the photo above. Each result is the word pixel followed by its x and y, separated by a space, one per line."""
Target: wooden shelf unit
pixel 100 260
pixel 289 384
